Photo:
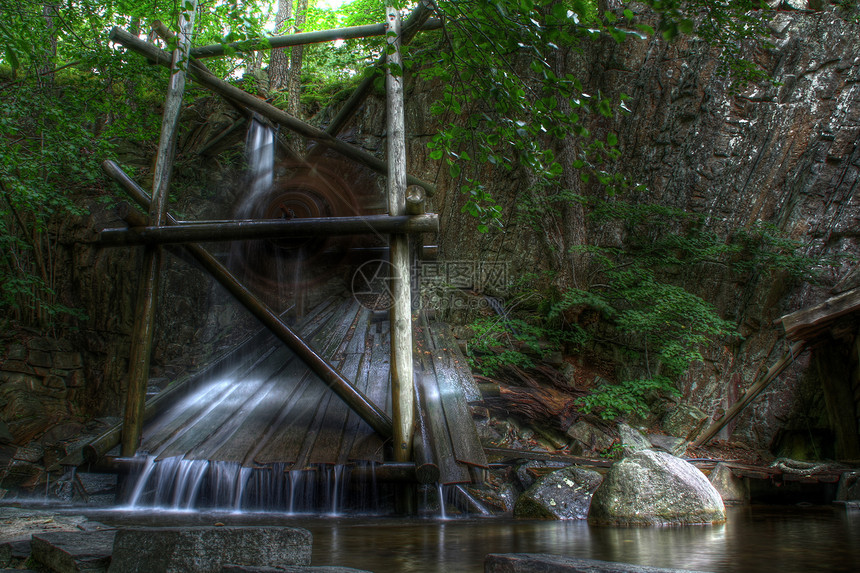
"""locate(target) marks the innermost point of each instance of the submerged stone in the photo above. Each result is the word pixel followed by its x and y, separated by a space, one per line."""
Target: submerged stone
pixel 542 563
pixel 732 489
pixel 73 551
pixel 208 549
pixel 655 488
pixel 562 494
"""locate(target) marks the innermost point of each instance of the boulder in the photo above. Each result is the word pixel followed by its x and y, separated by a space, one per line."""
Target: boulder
pixel 732 489
pixel 541 563
pixel 684 421
pixel 632 440
pixel 208 549
pixel 849 487
pixel 588 437
pixel 655 488
pixel 73 551
pixel 671 444
pixel 562 494
pixel 526 473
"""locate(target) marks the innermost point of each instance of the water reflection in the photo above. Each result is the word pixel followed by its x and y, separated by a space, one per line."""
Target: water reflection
pixel 784 539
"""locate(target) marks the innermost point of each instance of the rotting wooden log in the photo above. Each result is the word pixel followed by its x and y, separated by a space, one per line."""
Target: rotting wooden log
pixel 216 85
pixel 369 412
pixel 300 39
pixel 144 324
pixel 752 393
pixel 213 231
pixel 542 405
pixel 413 24
pixel 402 382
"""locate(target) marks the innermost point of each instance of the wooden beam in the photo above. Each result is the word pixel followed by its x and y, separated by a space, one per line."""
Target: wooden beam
pixel 402 383
pixel 144 324
pixel 357 401
pixel 216 85
pixel 211 231
pixel 752 393
pixel 300 39
pixel 808 323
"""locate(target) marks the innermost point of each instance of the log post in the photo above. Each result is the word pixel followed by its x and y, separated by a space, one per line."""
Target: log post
pixel 402 384
pixel 144 324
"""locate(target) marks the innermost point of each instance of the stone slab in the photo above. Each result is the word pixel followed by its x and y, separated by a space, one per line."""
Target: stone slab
pixel 73 551
pixel 543 563
pixel 208 549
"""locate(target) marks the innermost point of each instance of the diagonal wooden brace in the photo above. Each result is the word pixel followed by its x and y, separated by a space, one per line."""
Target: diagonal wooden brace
pixel 355 399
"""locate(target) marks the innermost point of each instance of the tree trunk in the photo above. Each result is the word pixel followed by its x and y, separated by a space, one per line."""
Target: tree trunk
pixel 46 66
pixel 294 80
pixel 279 65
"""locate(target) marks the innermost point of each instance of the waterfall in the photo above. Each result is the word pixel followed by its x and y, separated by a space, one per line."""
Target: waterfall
pixel 260 157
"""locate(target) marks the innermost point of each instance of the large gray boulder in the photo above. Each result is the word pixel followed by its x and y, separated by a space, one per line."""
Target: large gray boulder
pixel 73 551
pixel 733 490
pixel 655 488
pixel 208 549
pixel 562 494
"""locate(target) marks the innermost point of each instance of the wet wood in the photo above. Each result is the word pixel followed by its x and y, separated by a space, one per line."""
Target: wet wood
pixel 215 231
pixel 542 405
pixel 752 393
pixel 431 412
pixel 449 379
pixel 216 85
pixel 369 412
pixel 367 446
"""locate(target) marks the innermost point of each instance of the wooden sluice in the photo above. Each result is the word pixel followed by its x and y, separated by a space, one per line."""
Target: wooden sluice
pixel 271 410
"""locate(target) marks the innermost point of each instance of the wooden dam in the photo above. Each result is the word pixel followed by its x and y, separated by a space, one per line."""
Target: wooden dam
pixel 381 393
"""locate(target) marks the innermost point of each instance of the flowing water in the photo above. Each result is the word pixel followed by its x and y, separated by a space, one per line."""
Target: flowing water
pixel 755 539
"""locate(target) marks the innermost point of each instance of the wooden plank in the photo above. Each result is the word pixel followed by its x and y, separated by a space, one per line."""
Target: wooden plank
pixel 444 341
pixel 458 416
pixel 803 324
pixel 330 431
pixel 168 426
pixel 285 444
pixel 367 445
pixel 433 417
pixel 353 424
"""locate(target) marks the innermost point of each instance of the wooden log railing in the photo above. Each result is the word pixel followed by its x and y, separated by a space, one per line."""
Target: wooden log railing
pixel 355 399
pixel 267 110
pixel 209 231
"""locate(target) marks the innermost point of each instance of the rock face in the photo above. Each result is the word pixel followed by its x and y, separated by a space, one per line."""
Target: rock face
pixel 655 488
pixel 208 549
pixel 562 494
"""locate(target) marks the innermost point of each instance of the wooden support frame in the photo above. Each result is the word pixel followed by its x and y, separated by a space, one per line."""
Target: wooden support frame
pixel 144 324
pixel 216 85
pixel 356 400
pixel 402 378
pixel 209 231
